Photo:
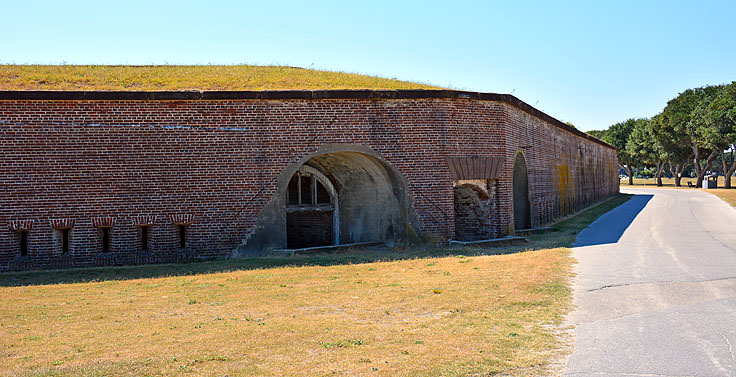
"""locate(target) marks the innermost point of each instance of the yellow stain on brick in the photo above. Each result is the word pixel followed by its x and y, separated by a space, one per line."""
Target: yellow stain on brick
pixel 563 186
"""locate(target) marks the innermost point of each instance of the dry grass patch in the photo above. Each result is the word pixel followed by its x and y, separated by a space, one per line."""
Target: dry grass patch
pixel 409 315
pixel 729 196
pixel 666 182
pixel 670 182
pixel 196 77
pixel 441 316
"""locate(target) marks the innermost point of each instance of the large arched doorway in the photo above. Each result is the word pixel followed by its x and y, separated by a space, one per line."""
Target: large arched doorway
pixel 341 194
pixel 364 202
pixel 522 210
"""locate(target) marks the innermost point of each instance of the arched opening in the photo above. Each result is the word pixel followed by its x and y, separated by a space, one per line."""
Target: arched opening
pixel 341 194
pixel 522 210
pixel 472 212
pixel 352 198
pixel 312 216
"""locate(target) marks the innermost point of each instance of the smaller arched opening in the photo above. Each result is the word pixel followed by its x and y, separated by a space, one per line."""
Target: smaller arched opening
pixel 522 209
pixel 312 215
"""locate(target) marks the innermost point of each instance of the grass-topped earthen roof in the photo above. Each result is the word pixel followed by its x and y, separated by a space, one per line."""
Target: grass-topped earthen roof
pixel 187 77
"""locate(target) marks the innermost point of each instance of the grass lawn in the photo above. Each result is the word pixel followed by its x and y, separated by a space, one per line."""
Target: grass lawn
pixel 667 182
pixel 197 77
pixel 396 313
pixel 729 196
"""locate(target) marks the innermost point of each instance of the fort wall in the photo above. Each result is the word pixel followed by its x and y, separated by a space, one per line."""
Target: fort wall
pixel 85 174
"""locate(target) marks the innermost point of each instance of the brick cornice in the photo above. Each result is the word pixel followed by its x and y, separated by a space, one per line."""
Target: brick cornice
pixel 364 94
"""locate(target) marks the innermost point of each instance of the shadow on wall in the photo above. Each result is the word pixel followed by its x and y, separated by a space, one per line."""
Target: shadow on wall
pixel 610 227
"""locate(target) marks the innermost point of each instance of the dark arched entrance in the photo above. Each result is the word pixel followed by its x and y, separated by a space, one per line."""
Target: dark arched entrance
pixel 361 202
pixel 522 214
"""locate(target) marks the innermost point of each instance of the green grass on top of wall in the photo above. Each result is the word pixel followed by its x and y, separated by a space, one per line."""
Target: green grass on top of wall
pixel 187 77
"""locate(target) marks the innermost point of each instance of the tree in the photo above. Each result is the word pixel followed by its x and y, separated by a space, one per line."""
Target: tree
pixel 644 147
pixel 676 121
pixel 720 115
pixel 707 133
pixel 598 134
pixel 675 145
pixel 618 135
pixel 728 166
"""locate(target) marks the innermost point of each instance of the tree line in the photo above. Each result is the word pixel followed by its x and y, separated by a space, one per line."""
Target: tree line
pixel 695 129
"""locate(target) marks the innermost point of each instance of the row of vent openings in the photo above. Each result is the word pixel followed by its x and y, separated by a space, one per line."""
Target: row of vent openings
pixel 105 238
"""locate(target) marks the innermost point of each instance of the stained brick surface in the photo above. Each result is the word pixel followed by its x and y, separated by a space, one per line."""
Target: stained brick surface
pixel 214 163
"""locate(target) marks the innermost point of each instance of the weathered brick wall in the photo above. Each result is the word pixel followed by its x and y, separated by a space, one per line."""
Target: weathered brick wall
pixel 566 173
pixel 217 161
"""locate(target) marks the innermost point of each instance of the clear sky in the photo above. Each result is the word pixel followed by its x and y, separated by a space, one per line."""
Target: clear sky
pixel 591 63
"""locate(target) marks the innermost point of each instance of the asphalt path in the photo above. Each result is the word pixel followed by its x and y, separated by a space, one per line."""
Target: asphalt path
pixel 656 288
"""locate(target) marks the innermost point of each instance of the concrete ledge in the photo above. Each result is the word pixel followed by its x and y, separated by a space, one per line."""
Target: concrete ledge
pixel 526 232
pixel 506 240
pixel 328 248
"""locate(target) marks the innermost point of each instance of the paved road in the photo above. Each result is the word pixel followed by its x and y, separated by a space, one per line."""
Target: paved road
pixel 656 288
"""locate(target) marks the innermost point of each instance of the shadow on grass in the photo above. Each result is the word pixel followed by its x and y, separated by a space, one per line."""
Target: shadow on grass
pixel 562 235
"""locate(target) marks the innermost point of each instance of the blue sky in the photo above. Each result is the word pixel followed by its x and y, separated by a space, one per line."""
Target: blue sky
pixel 592 63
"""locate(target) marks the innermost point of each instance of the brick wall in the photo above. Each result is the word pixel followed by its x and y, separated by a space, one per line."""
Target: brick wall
pixel 215 162
pixel 309 228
